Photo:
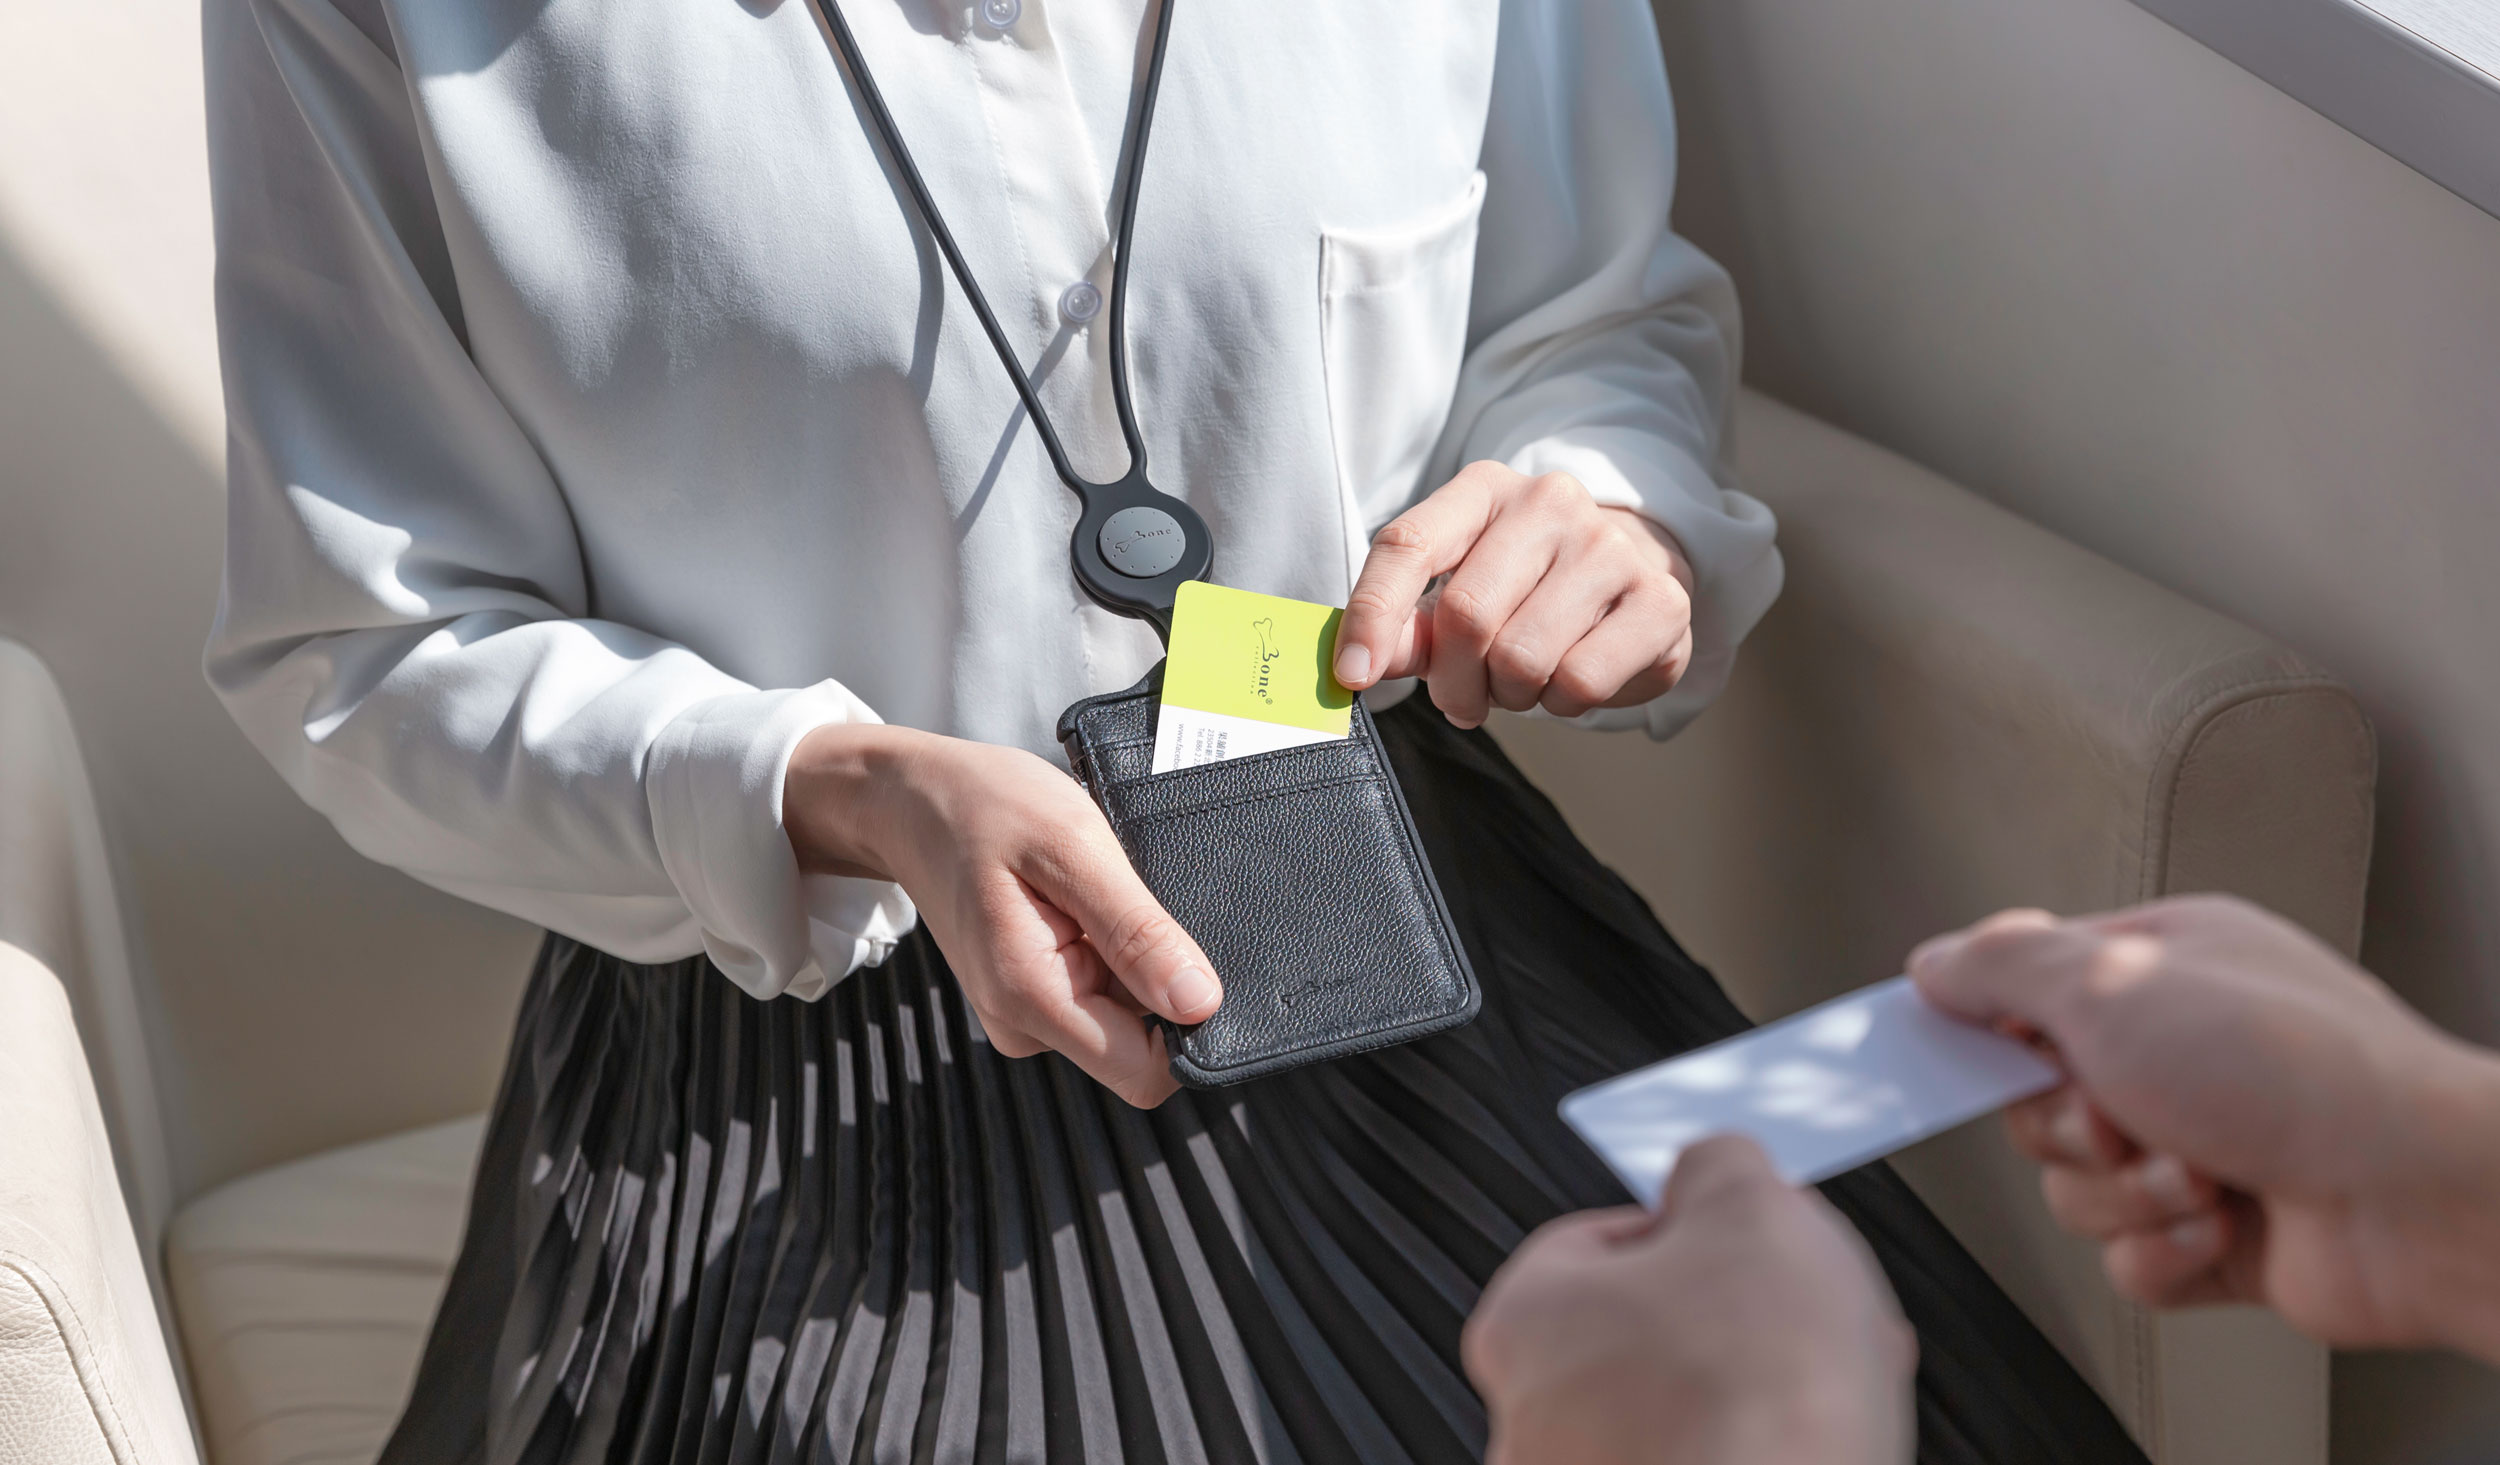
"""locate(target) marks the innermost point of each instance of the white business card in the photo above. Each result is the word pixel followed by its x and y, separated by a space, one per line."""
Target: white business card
pixel 1827 1090
pixel 1188 736
pixel 1245 674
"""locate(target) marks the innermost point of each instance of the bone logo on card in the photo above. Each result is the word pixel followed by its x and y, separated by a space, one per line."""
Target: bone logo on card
pixel 1265 626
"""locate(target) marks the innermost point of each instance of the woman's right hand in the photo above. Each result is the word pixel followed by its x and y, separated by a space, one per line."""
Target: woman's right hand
pixel 1056 941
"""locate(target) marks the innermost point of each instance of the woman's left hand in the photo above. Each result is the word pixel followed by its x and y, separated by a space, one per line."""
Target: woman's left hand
pixel 1551 600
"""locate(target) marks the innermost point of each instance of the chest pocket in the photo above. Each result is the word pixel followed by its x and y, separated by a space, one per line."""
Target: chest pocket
pixel 1393 333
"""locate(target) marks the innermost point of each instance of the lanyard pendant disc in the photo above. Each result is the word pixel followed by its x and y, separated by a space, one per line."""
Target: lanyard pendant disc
pixel 1135 546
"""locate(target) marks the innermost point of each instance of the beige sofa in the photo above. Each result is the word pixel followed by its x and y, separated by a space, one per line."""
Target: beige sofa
pixel 1950 711
pixel 84 1375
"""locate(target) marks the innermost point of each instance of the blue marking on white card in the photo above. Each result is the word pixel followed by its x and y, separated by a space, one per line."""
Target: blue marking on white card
pixel 1827 1090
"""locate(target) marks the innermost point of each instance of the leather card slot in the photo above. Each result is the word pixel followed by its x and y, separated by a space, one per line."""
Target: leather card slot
pixel 1119 761
pixel 1261 773
pixel 1210 801
pixel 1300 874
pixel 1312 903
pixel 1132 722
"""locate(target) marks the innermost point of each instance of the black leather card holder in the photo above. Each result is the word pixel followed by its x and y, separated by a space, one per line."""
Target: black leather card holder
pixel 1299 873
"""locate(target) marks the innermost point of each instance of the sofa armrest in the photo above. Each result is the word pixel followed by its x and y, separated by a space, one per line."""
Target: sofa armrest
pixel 1953 711
pixel 84 1372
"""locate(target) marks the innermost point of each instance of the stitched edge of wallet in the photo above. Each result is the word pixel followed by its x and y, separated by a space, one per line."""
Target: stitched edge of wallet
pixel 1198 1075
pixel 1444 930
pixel 1208 803
pixel 1240 767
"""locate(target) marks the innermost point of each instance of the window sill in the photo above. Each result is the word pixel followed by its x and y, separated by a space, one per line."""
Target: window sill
pixel 2418 79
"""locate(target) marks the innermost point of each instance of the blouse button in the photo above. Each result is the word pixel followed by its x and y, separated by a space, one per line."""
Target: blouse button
pixel 1080 302
pixel 1001 14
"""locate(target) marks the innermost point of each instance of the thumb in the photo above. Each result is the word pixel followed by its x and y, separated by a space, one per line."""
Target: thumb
pixel 1723 1170
pixel 1378 638
pixel 1092 882
pixel 2014 965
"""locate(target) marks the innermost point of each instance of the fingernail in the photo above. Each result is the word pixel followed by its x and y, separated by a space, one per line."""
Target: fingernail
pixel 2071 1127
pixel 2197 1235
pixel 1191 990
pixel 1354 665
pixel 2165 1178
pixel 1934 949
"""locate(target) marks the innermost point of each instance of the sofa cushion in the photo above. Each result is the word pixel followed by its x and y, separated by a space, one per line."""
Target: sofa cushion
pixel 304 1294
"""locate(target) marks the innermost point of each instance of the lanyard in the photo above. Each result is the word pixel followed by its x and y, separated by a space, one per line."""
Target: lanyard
pixel 1134 544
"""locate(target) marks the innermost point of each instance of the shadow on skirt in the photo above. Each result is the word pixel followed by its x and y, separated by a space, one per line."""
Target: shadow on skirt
pixel 712 1229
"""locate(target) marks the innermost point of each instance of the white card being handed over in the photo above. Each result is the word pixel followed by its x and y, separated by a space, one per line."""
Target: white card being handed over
pixel 1828 1090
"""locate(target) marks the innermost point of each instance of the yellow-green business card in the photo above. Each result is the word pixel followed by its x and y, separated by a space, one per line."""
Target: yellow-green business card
pixel 1261 657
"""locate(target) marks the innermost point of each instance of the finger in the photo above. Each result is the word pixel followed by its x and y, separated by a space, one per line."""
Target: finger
pixel 1543 1279
pixel 2178 1265
pixel 2153 1192
pixel 1410 653
pixel 1725 1169
pixel 1069 1005
pixel 1120 996
pixel 2012 966
pixel 1949 948
pixel 1519 554
pixel 1455 674
pixel 1469 614
pixel 2173 914
pixel 1119 1051
pixel 1062 926
pixel 2062 1127
pixel 1425 541
pixel 1575 594
pixel 1581 1234
pixel 1838 1224
pixel 1617 1225
pixel 1087 875
pixel 991 1025
pixel 1010 1040
pixel 1634 653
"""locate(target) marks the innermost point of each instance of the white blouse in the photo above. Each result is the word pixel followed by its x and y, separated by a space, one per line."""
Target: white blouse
pixel 601 422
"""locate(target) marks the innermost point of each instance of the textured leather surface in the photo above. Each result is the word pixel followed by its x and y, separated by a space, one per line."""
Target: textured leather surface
pixel 1953 711
pixel 1300 875
pixel 46 1412
pixel 305 1293
pixel 84 1375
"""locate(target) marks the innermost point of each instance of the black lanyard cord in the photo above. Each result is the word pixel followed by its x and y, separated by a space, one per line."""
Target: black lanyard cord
pixel 927 207
pixel 1134 545
pixel 1128 229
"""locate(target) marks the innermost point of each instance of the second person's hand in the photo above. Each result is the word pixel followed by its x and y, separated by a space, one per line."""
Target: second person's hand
pixel 2251 1119
pixel 1552 600
pixel 1744 1324
pixel 1057 943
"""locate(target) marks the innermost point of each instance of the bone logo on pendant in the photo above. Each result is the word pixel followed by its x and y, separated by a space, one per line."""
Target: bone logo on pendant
pixel 1142 541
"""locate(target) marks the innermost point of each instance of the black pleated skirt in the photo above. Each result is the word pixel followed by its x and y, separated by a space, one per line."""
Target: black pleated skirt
pixel 712 1229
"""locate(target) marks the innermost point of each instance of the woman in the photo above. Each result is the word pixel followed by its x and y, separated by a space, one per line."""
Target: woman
pixel 630 531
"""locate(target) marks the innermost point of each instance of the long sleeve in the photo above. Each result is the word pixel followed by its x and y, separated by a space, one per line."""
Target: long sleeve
pixel 1600 343
pixel 406 627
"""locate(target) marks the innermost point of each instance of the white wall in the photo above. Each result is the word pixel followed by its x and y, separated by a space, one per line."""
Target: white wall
pixel 303 996
pixel 2064 254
